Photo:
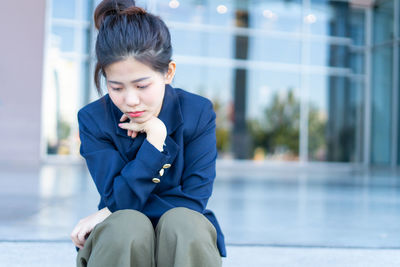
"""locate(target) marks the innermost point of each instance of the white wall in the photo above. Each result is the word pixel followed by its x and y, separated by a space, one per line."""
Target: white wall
pixel 22 25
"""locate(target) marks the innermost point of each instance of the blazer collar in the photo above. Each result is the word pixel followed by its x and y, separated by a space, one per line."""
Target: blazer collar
pixel 170 112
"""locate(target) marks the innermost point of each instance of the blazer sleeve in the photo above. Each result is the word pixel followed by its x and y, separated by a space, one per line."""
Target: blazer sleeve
pixel 121 184
pixel 199 171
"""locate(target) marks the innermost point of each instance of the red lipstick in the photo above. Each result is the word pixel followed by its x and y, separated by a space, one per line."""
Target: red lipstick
pixel 135 114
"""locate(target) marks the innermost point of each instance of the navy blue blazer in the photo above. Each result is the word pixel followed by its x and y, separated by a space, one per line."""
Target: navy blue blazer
pixel 122 167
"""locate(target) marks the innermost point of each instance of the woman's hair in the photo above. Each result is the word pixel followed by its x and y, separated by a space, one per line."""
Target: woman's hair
pixel 126 30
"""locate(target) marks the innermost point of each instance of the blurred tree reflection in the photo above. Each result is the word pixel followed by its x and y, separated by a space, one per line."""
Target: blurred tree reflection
pixel 277 134
pixel 222 128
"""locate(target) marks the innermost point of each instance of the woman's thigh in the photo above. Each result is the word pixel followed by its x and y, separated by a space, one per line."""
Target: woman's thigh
pixel 123 237
pixel 185 237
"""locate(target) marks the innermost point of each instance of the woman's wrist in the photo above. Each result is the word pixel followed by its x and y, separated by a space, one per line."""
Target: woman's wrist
pixel 157 141
pixel 156 134
pixel 106 212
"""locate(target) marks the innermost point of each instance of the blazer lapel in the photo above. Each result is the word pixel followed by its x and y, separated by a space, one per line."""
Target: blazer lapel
pixel 171 115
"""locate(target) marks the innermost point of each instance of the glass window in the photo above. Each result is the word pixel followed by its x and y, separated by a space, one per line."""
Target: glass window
pixel 398 132
pixel 328 18
pixel 383 22
pixel 63 37
pixel 67 78
pixel 60 103
pixel 273 114
pixel 335 112
pixel 381 104
pixel 85 80
pixel 276 15
pixel 266 48
pixel 325 54
pixel 197 12
pixel 64 9
pixel 357 27
pixel 87 10
pixel 214 83
pixel 200 43
pixel 357 62
pixel 85 41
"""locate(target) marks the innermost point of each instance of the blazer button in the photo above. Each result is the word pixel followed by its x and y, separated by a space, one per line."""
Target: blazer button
pixel 156 180
pixel 166 166
pixel 161 172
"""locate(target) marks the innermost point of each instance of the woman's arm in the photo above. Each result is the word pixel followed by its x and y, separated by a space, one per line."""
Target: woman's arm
pixel 121 185
pixel 198 175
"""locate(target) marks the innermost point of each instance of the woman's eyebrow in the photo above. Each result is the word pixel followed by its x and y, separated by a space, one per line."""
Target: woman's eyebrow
pixel 134 81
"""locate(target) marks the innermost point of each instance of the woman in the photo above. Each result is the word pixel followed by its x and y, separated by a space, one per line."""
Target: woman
pixel 150 149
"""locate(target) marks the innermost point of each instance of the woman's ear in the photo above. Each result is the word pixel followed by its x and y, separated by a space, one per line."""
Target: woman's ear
pixel 169 76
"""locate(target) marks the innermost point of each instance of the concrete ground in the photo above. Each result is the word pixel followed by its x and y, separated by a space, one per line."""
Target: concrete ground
pixel 283 217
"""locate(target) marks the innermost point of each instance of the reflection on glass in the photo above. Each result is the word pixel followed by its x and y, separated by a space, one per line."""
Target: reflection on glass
pixel 273 114
pixel 85 82
pixel 197 12
pixel 276 50
pixel 357 62
pixel 64 9
pixel 329 18
pixel 357 26
pixel 381 104
pixel 276 15
pixel 60 102
pixel 85 41
pixel 383 22
pixel 66 75
pixel 198 43
pixel 64 36
pixel 87 9
pixel 214 83
pixel 325 54
pixel 335 111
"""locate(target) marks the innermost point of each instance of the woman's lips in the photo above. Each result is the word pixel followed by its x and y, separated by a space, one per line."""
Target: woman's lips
pixel 135 114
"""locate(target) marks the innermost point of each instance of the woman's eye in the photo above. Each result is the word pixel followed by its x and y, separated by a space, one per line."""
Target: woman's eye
pixel 116 89
pixel 142 87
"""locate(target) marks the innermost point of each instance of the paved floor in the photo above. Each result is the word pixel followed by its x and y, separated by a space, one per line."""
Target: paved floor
pixel 277 218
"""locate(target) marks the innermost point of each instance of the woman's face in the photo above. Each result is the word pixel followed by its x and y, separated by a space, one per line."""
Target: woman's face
pixel 136 89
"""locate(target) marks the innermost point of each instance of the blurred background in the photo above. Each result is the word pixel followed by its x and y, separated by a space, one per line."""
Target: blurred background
pixel 291 80
pixel 307 100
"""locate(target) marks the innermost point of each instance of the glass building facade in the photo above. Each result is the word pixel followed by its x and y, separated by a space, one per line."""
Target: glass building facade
pixel 291 80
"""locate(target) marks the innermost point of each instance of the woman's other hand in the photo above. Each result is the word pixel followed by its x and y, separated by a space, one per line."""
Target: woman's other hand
pixel 131 133
pixel 154 128
pixel 86 225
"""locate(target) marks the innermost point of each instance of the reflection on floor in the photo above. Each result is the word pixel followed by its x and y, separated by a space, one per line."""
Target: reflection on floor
pixel 284 215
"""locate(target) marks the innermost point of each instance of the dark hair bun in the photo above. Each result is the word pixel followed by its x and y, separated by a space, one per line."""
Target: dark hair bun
pixel 133 10
pixel 115 7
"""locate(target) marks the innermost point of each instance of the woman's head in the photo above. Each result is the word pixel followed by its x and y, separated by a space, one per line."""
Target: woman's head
pixel 131 39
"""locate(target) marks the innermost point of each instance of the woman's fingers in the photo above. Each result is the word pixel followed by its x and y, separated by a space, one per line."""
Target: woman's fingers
pixel 82 234
pixel 134 134
pixel 131 126
pixel 124 117
pixel 74 237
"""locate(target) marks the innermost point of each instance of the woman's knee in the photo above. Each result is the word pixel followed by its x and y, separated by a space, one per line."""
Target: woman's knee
pixel 190 224
pixel 126 226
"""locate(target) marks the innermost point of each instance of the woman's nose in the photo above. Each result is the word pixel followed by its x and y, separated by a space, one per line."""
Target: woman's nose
pixel 132 98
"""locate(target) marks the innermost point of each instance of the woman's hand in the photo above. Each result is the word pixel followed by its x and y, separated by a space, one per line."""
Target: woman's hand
pixel 154 128
pixel 86 225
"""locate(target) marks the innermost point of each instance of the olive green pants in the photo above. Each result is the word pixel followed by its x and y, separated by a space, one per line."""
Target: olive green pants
pixel 182 238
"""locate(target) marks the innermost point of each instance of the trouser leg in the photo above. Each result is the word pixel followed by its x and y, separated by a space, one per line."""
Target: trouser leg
pixel 124 239
pixel 186 238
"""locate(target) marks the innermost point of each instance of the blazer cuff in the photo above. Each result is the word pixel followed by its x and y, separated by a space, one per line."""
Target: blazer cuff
pixel 151 157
